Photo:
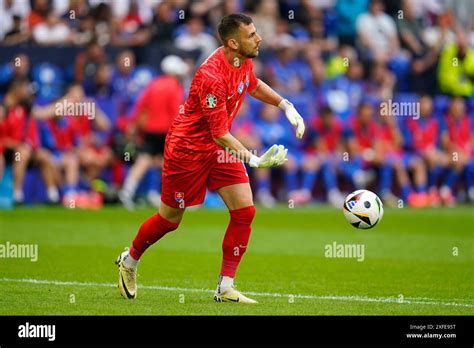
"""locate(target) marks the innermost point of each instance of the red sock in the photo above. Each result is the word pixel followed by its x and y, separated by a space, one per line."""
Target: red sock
pixel 149 233
pixel 236 239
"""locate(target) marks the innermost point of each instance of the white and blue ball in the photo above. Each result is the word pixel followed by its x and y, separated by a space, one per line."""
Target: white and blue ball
pixel 363 209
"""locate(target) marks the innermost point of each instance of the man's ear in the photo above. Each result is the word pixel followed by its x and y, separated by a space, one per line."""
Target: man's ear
pixel 233 43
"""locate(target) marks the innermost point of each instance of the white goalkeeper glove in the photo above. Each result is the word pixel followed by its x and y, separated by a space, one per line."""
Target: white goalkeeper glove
pixel 293 116
pixel 274 157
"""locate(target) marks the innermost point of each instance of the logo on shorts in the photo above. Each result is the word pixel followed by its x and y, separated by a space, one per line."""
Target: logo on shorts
pixel 179 197
pixel 211 100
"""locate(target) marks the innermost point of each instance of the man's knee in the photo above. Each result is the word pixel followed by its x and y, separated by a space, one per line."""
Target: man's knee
pixel 171 214
pixel 243 216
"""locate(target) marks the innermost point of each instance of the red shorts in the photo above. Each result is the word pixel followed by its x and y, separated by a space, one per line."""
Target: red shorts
pixel 184 181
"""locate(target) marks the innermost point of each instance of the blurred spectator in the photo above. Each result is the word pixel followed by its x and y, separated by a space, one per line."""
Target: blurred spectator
pixel 318 86
pixel 427 9
pixel 422 138
pixel 443 30
pixel 163 25
pixel 347 13
pixel 8 10
pixel 59 137
pixel 423 73
pixel 19 68
pixel 154 112
pixel 22 141
pixel 337 64
pixel 195 38
pixel 132 21
pixel 411 30
pixel 380 82
pixel 318 35
pixel 265 19
pixel 391 140
pixel 285 71
pixel 122 85
pixel 201 8
pixel 104 23
pixel 16 35
pixel 75 13
pixel 456 67
pixel 117 8
pixel 53 31
pixel 87 61
pixel 85 31
pixel 347 90
pixel 38 13
pixel 101 84
pixel 457 141
pixel 223 8
pixel 93 153
pixel 366 151
pixel 130 31
pixel 326 143
pixel 377 34
pixel 423 64
pixel 462 9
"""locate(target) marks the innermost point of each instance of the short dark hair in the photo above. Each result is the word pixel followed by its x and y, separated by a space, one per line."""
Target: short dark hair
pixel 230 23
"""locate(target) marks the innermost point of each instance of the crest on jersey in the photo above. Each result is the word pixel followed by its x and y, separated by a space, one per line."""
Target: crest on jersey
pixel 179 197
pixel 241 87
pixel 211 100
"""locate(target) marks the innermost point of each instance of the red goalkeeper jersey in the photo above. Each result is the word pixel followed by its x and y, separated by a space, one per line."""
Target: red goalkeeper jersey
pixel 215 96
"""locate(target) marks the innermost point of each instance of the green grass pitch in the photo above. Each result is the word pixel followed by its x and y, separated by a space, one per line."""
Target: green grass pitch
pixel 417 262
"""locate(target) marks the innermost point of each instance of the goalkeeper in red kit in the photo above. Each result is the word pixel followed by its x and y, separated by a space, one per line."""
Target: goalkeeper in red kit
pixel 200 153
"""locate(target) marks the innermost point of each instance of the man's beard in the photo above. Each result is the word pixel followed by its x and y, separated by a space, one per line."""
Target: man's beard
pixel 252 54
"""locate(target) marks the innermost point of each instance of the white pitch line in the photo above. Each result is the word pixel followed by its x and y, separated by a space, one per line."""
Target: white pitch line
pixel 411 300
pixel 431 299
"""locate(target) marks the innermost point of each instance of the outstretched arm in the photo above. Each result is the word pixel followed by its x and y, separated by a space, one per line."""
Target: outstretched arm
pixel 266 94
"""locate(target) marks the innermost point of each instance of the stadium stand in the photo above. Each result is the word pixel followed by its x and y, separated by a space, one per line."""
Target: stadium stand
pixel 322 55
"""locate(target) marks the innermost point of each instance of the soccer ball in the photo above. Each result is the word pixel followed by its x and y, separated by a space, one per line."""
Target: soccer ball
pixel 363 209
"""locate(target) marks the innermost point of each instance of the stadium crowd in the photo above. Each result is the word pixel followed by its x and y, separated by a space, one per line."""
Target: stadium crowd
pixel 386 89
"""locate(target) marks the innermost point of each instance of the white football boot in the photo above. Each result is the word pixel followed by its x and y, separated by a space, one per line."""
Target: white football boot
pixel 231 294
pixel 127 277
